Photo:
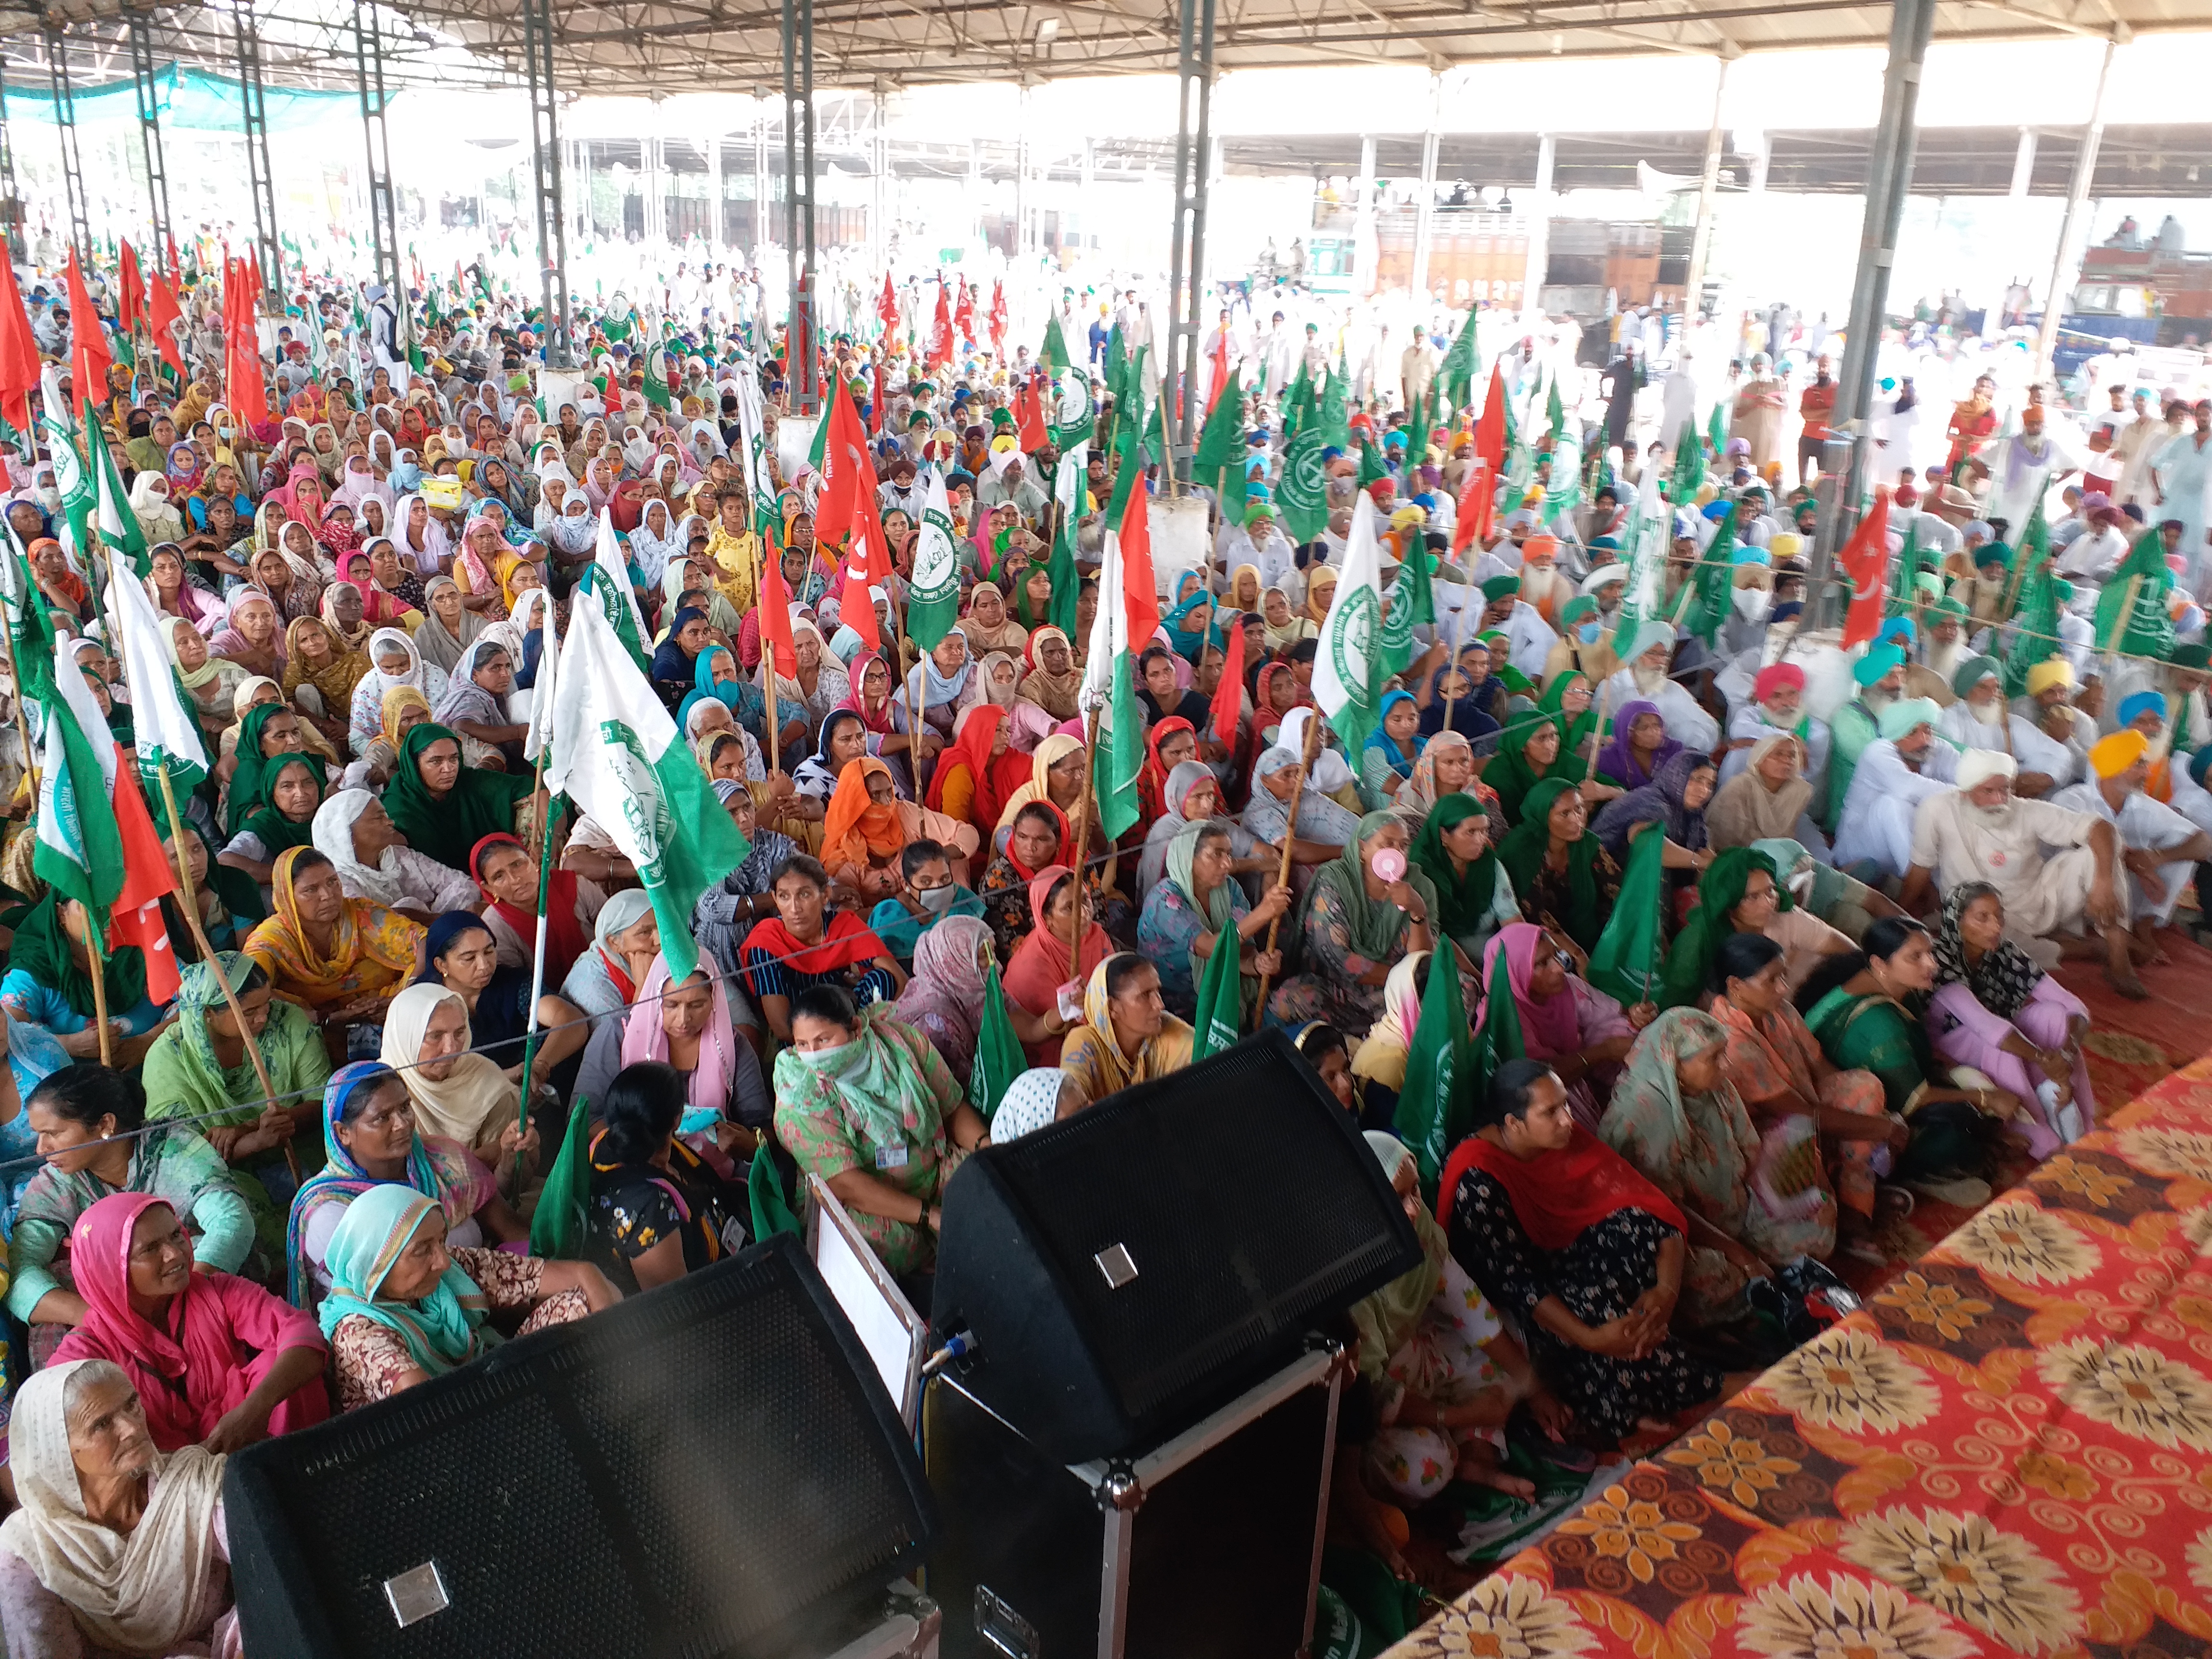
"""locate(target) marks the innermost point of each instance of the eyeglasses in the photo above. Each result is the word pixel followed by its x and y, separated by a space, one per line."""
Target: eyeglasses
pixel 1565 960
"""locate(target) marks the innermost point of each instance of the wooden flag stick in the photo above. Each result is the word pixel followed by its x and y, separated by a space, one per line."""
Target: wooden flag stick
pixel 15 677
pixel 1290 835
pixel 1081 834
pixel 92 945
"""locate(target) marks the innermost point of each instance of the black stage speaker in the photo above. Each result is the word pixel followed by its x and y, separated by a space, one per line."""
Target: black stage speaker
pixel 1129 1268
pixel 711 1468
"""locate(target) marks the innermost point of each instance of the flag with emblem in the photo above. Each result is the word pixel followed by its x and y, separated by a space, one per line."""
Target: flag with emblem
pixel 934 598
pixel 1129 613
pixel 1348 672
pixel 1434 1110
pixel 617 755
pixel 1303 496
pixel 168 732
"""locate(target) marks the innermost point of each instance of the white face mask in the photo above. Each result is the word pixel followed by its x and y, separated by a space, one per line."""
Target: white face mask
pixel 1752 604
pixel 937 900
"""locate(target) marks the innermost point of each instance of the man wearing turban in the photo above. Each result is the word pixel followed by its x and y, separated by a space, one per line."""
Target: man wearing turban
pixel 1880 676
pixel 1529 637
pixel 1902 767
pixel 1979 718
pixel 1776 704
pixel 1646 679
pixel 2159 846
pixel 1979 832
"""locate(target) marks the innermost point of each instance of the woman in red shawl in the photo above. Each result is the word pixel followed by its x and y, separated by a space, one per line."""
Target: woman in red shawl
pixel 1042 963
pixel 217 1361
pixel 1567 1239
pixel 506 875
pixel 806 942
pixel 978 773
pixel 1152 781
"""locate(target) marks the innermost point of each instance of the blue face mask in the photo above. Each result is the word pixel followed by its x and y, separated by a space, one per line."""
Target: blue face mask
pixel 1588 632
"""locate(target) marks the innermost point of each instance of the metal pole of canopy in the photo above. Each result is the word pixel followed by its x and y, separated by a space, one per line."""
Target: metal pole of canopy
pixel 1187 256
pixel 799 368
pixel 65 125
pixel 545 182
pixel 383 204
pixel 1709 182
pixel 2077 199
pixel 254 110
pixel 149 131
pixel 1425 210
pixel 1889 180
pixel 11 203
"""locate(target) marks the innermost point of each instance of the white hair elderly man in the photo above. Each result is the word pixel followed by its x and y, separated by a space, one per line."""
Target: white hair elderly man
pixel 1981 720
pixel 1979 832
pixel 1646 679
pixel 1906 764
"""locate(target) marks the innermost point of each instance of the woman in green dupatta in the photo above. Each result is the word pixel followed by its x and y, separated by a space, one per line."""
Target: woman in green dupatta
pixel 1475 896
pixel 198 1070
pixel 1675 1115
pixel 1534 749
pixel 443 807
pixel 1865 1014
pixel 1568 700
pixel 285 820
pixel 1564 877
pixel 230 901
pixel 49 983
pixel 1355 926
pixel 1689 969
pixel 268 738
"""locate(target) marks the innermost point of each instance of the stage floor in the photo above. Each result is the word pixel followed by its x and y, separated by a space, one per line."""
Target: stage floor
pixel 2009 1450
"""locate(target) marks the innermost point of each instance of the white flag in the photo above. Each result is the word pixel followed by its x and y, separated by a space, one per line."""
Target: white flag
pixel 1346 669
pixel 168 734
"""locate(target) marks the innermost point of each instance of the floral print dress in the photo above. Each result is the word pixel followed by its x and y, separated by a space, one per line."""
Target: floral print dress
pixel 1443 1362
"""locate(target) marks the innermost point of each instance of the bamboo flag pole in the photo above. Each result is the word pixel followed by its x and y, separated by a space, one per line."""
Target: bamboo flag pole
pixel 1081 835
pixel 92 944
pixel 23 716
pixel 1290 835
pixel 188 901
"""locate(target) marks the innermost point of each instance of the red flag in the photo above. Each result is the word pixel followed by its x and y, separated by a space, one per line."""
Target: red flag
pixel 999 319
pixel 1476 503
pixel 248 393
pixel 136 917
pixel 90 361
pixel 879 410
pixel 1028 418
pixel 162 312
pixel 1229 695
pixel 1220 356
pixel 964 316
pixel 843 447
pixel 1865 561
pixel 887 307
pixel 19 353
pixel 130 300
pixel 940 333
pixel 1490 430
pixel 775 619
pixel 175 267
pixel 1140 599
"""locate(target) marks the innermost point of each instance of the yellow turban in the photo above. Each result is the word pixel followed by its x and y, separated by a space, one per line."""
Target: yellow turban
pixel 2045 675
pixel 1784 544
pixel 2114 754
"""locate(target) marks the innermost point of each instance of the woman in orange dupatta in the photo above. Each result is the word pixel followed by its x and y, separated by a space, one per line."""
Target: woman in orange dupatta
pixel 340 959
pixel 866 827
pixel 978 773
pixel 1041 962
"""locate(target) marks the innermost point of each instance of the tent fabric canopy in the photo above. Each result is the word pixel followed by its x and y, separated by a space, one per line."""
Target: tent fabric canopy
pixel 188 100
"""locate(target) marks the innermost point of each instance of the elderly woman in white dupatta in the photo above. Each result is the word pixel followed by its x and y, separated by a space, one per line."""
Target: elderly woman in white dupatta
pixel 374 862
pixel 1193 796
pixel 822 683
pixel 393 661
pixel 465 1096
pixel 654 542
pixel 448 627
pixel 117 1547
pixel 625 939
pixel 573 534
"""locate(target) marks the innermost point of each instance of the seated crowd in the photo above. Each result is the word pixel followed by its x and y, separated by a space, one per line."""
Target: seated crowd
pixel 307 1182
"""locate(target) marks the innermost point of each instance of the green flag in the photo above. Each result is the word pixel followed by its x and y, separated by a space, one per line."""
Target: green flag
pixel 1410 602
pixel 1711 581
pixel 1304 494
pixel 1334 415
pixel 1498 1038
pixel 1904 584
pixel 999 1057
pixel 2035 627
pixel 117 524
pixel 1462 364
pixel 656 387
pixel 1689 467
pixel 1625 964
pixel 1128 446
pixel 1434 1106
pixel 1299 406
pixel 558 1226
pixel 2131 616
pixel 1220 1015
pixel 1221 448
pixel 1371 470
pixel 79 849
pixel 72 477
pixel 30 626
pixel 1716 429
pixel 764 1192
pixel 1555 411
pixel 1070 490
pixel 933 599
pixel 1054 356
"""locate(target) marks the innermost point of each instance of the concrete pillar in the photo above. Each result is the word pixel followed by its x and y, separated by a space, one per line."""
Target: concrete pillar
pixel 1424 209
pixel 715 193
pixel 1363 221
pixel 1539 225
pixel 1701 244
pixel 2067 255
pixel 2023 165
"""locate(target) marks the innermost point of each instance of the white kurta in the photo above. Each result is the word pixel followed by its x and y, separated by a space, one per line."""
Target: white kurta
pixel 1961 842
pixel 1686 718
pixel 2144 825
pixel 1530 640
pixel 1750 721
pixel 1877 825
pixel 2184 475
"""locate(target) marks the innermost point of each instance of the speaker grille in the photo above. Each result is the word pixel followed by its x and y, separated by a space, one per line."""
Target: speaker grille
pixel 1226 1185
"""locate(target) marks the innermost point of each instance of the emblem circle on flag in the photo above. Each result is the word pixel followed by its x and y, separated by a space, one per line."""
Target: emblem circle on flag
pixel 68 478
pixel 644 808
pixel 1354 645
pixel 1305 471
pixel 933 575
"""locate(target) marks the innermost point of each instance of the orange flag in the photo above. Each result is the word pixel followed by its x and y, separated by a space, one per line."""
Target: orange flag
pixel 1865 561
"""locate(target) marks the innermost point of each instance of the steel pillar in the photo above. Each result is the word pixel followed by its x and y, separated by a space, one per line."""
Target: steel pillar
pixel 1424 209
pixel 2023 165
pixel 375 99
pixel 11 202
pixel 66 129
pixel 2077 196
pixel 1023 162
pixel 1889 180
pixel 1363 220
pixel 1187 256
pixel 1701 244
pixel 261 178
pixel 545 182
pixel 879 189
pixel 757 254
pixel 1540 227
pixel 149 131
pixel 717 192
pixel 975 191
pixel 800 373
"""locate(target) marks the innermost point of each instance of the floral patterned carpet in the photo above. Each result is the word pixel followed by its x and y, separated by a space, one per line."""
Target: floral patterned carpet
pixel 2007 1450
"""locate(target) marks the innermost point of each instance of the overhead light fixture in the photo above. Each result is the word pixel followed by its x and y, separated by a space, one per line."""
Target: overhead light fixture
pixel 1046 32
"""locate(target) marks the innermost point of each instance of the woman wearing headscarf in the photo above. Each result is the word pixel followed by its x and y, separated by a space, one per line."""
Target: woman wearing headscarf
pixel 1355 926
pixel 390 594
pixel 1192 795
pixel 1638 748
pixel 404 1307
pixel 821 684
pixel 1769 800
pixel 1378 1066
pixel 319 675
pixel 49 983
pixel 806 942
pixel 1531 752
pixel 507 877
pixel 674 668
pixel 459 1094
pixel 394 663
pixel 1562 1020
pixel 1995 1010
pixel 1053 675
pixel 710 1042
pixel 1168 744
pixel 979 771
pixel 944 683
pixel 625 941
pixel 271 738
pixel 198 1071
pixel 174 594
pixel 1393 747
pixel 866 827
pixel 1475 896
pixel 944 999
pixel 443 807
pixel 1055 779
pixel 1445 768
pixel 1562 876
pixel 251 639
pixel 448 627
pixel 987 624
pixel 1042 961
pixel 1321 591
pixel 340 959
pixel 1198 905
pixel 1739 893
pixel 215 1359
pixel 1127 1035
pixel 1448 696
pixel 150 505
pixel 1674 801
pixel 1323 828
pixel 229 901
pixel 656 541
pixel 863 1101
pixel 149 1574
pixel 1563 1234
pixel 210 681
pixel 1781 1074
pixel 1283 626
